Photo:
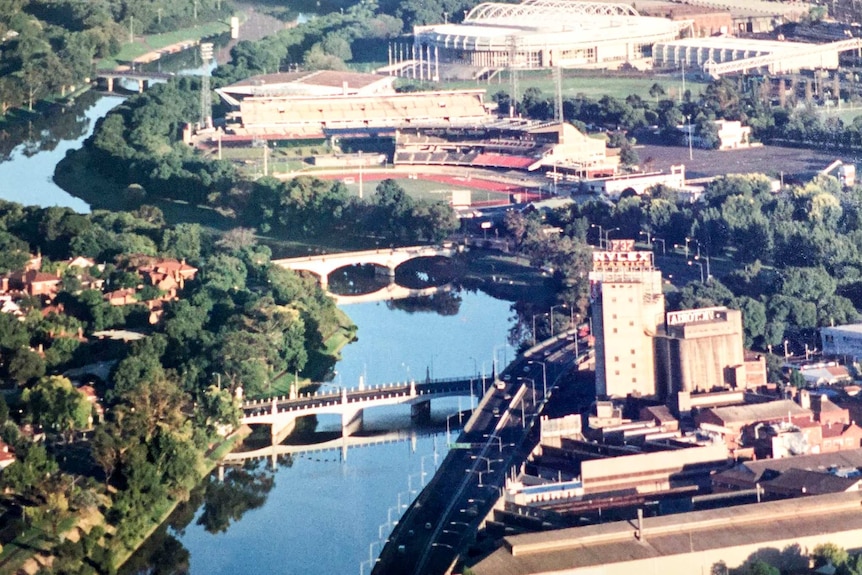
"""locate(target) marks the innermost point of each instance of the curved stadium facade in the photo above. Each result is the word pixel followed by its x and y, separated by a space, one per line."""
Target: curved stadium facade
pixel 546 33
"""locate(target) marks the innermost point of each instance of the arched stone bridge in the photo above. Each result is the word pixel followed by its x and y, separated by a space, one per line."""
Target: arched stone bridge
pixel 388 259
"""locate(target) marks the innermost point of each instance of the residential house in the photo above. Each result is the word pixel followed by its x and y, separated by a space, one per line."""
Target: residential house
pixel 7 456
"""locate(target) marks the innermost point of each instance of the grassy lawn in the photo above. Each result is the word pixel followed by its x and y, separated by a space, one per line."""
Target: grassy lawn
pixel 422 189
pixel 145 44
pixel 593 85
pixel 846 113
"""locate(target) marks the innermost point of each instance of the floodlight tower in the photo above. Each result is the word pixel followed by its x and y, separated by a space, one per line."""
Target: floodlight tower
pixel 206 95
pixel 513 70
pixel 558 101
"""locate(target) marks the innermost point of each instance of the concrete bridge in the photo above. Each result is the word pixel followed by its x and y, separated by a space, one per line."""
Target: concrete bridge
pixel 281 413
pixel 142 78
pixel 386 259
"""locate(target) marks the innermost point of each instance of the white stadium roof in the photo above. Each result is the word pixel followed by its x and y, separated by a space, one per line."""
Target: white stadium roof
pixel 539 10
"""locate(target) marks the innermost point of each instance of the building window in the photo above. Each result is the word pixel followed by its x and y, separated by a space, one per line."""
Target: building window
pixel 616 358
pixel 634 366
pixel 631 324
pixel 633 352
pixel 616 373
pixel 615 330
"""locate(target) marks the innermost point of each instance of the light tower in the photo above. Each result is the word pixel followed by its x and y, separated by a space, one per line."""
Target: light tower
pixel 206 95
pixel 513 70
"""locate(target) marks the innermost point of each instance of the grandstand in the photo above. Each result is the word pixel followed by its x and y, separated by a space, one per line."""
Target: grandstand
pixel 311 83
pixel 545 33
pixel 512 144
pixel 724 54
pixel 454 128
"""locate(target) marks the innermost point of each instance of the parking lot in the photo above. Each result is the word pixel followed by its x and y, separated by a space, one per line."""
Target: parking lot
pixel 793 163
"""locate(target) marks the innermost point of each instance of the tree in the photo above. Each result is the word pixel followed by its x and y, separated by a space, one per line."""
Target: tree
pixel 31 473
pixel 827 553
pixel 25 366
pixel 55 404
pixel 760 567
pixel 183 241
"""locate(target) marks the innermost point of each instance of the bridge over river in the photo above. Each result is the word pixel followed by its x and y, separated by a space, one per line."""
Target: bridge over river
pixel 281 413
pixel 386 259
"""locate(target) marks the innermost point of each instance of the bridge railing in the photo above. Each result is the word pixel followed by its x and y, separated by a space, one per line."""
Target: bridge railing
pixel 253 403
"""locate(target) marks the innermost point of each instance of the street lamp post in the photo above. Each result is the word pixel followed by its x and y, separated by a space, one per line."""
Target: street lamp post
pixel 499 441
pixel 696 242
pixel 700 265
pixel 648 238
pixel 708 273
pixel 608 236
pixel 544 374
pixel 601 237
pixel 532 384
pixel 496 347
pixel 663 248
pixel 485 459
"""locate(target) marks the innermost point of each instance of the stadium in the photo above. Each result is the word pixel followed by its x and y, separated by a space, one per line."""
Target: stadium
pixel 545 33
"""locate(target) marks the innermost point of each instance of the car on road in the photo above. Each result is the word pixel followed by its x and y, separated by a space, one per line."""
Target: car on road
pixel 500 384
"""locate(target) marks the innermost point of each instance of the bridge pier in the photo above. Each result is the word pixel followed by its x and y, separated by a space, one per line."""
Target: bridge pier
pixel 351 422
pixel 110 84
pixel 280 431
pixel 388 271
pixel 142 85
pixel 421 412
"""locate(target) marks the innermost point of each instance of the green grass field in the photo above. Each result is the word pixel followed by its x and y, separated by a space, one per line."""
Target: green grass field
pixel 144 44
pixel 846 113
pixel 593 85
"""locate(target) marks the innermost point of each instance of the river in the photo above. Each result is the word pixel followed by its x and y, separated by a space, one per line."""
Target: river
pixel 324 515
pixel 314 513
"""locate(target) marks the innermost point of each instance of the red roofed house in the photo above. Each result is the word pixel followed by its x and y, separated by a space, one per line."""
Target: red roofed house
pixel 35 283
pixel 125 296
pixel 167 274
pixel 7 458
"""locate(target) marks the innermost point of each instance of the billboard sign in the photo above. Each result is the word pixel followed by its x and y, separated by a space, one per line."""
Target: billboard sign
pixel 695 315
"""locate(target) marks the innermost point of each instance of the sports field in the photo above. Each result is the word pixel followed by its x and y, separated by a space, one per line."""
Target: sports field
pixel 433 187
pixel 576 82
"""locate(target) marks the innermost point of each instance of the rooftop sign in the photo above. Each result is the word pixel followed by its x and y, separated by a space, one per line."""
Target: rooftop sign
pixel 619 261
pixel 696 315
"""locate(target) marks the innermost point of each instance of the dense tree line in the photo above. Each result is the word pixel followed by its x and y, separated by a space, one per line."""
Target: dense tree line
pixel 48 46
pixel 721 99
pixel 789 260
pixel 240 324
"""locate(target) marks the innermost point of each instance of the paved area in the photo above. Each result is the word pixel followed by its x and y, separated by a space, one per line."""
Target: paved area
pixel 794 163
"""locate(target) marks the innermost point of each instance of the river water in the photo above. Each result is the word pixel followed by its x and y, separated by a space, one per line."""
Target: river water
pixel 314 513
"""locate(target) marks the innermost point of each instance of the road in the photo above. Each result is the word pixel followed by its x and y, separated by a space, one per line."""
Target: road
pixel 443 520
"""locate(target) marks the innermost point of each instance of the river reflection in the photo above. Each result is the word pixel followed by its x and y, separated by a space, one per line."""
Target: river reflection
pixel 30 150
pixel 322 514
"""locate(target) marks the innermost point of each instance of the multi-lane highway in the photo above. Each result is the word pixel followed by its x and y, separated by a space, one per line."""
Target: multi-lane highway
pixel 444 518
